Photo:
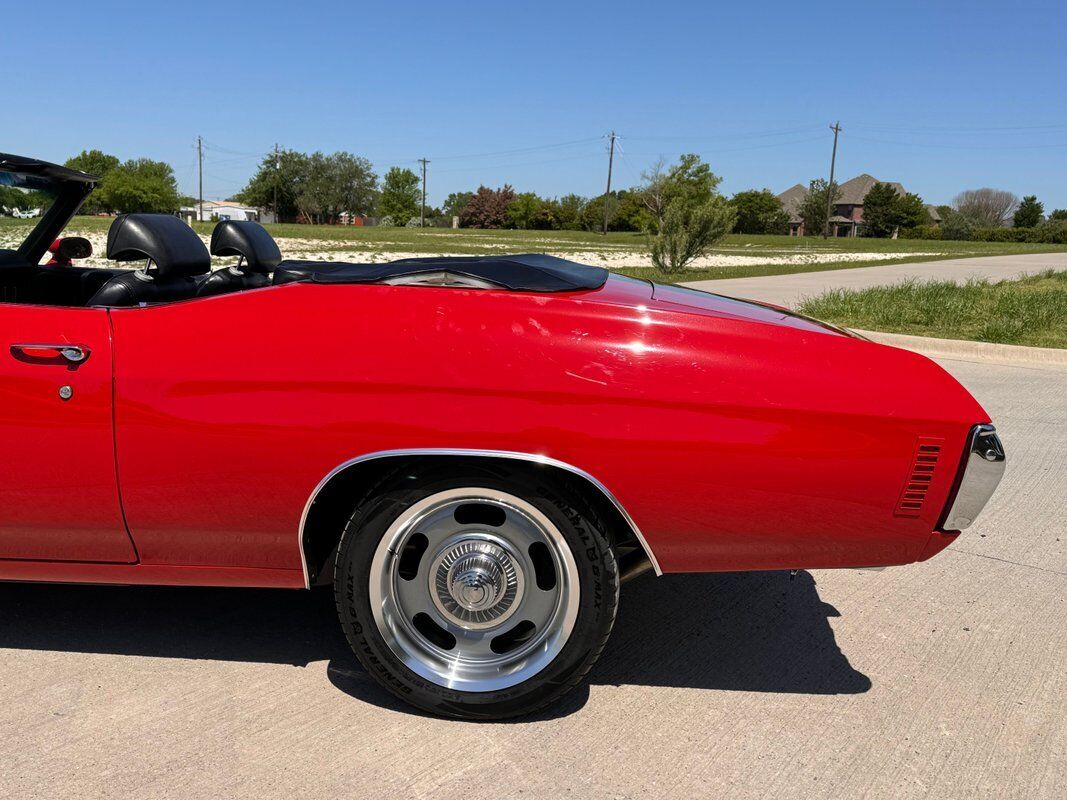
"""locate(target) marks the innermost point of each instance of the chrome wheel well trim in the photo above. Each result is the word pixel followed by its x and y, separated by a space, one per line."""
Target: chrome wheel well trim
pixel 530 458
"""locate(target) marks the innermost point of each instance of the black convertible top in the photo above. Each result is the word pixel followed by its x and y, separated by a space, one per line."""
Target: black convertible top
pixel 532 272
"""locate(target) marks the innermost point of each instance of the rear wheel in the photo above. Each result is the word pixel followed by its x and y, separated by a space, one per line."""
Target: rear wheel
pixel 476 595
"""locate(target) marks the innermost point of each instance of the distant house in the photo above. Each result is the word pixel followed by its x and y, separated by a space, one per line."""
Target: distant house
pixel 225 209
pixel 846 218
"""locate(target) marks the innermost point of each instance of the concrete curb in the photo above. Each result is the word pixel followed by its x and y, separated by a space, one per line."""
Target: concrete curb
pixel 1010 354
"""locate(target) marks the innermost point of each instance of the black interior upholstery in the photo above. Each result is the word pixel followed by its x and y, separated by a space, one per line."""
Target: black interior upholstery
pixel 249 240
pixel 176 255
pixel 49 285
pixel 258 255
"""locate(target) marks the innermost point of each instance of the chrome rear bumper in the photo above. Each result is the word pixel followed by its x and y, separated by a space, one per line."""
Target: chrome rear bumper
pixel 983 468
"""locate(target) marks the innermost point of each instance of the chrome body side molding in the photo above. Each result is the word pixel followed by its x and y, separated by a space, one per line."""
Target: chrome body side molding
pixel 532 458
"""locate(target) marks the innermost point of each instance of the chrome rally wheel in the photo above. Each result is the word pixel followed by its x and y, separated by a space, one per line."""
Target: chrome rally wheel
pixel 474 589
pixel 464 594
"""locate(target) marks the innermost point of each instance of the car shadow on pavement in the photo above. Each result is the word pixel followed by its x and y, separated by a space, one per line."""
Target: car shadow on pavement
pixel 741 631
pixel 727 631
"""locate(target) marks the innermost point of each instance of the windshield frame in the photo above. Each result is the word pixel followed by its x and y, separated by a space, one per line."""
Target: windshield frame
pixel 72 187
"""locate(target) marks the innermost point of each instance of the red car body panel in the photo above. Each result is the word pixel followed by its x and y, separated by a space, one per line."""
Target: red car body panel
pixel 736 436
pixel 58 488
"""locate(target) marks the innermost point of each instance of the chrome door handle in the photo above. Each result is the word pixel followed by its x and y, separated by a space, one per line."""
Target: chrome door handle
pixel 72 353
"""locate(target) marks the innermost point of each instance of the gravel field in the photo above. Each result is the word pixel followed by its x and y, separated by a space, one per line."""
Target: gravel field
pixel 609 256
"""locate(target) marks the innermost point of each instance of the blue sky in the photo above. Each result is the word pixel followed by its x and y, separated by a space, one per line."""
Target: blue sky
pixel 940 96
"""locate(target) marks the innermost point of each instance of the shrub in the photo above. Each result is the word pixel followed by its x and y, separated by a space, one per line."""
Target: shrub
pixel 1001 234
pixel 387 222
pixel 957 226
pixel 1053 231
pixel 921 232
pixel 687 231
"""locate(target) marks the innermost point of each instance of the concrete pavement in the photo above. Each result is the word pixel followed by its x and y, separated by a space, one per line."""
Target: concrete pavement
pixel 941 680
pixel 790 290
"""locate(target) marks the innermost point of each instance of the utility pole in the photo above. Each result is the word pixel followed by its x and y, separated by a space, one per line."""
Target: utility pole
pixel 277 177
pixel 200 161
pixel 607 194
pixel 836 128
pixel 422 211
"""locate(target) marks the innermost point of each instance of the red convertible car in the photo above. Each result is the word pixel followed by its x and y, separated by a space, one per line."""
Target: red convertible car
pixel 474 452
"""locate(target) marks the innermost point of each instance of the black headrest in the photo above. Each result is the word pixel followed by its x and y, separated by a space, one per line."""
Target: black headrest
pixel 247 239
pixel 172 245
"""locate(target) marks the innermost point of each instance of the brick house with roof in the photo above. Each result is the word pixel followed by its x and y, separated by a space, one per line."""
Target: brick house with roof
pixel 846 218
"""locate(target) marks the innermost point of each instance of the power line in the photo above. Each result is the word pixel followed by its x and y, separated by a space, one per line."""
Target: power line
pixel 508 165
pixel 221 149
pixel 959 146
pixel 520 150
pixel 722 137
pixel 961 128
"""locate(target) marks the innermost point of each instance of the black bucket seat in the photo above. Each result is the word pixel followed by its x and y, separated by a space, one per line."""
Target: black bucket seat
pixel 175 255
pixel 257 254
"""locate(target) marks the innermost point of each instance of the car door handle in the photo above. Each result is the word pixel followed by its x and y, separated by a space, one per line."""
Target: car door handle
pixel 72 353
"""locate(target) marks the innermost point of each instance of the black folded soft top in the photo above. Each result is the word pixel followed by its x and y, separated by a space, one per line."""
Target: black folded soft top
pixel 531 272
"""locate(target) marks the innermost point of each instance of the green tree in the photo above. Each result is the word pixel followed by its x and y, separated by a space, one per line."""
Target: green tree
pixel 140 185
pixel 880 211
pixel 12 198
pixel 523 210
pixel 813 208
pixel 568 211
pixel 688 230
pixel 593 212
pixel 910 211
pixel 631 213
pixel 689 182
pixel 1059 215
pixel 401 196
pixel 335 184
pixel 759 211
pixel 94 162
pixel 287 174
pixel 1029 213
pixel 455 203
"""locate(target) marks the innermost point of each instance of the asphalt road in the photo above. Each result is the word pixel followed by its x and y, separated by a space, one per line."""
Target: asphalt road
pixel 945 679
pixel 790 290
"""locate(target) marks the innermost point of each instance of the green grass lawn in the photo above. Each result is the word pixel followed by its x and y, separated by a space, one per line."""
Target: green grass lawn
pixel 1028 311
pixel 736 256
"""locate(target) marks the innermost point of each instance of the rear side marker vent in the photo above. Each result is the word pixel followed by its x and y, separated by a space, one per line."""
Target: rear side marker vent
pixel 923 466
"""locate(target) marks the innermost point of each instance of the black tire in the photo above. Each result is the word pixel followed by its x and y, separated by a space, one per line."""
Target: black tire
pixel 585 534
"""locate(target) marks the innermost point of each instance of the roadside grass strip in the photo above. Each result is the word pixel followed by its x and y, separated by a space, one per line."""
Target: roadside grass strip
pixel 1029 311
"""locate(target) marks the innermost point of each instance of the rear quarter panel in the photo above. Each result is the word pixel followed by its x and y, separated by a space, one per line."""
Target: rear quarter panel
pixel 734 444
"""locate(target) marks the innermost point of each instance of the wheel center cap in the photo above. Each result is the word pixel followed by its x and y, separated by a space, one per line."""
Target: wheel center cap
pixel 475 583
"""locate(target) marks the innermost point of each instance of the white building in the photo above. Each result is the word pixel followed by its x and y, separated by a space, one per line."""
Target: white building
pixel 218 210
